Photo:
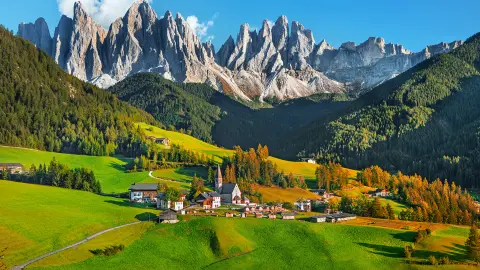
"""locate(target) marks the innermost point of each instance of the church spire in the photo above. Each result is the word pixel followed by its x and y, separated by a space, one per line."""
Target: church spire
pixel 218 180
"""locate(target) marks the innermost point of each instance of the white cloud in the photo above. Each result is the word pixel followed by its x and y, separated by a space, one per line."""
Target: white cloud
pixel 104 12
pixel 201 28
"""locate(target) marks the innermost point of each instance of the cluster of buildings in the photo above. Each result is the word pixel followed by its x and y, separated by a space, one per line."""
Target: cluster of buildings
pixel 228 193
pixel 12 168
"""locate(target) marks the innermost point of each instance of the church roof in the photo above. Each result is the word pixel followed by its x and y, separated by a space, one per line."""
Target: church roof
pixel 228 188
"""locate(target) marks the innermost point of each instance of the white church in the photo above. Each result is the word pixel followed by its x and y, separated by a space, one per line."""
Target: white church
pixel 230 192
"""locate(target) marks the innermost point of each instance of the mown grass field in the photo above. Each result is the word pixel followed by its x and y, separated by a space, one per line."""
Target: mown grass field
pixel 108 170
pixel 277 194
pixel 397 207
pixel 37 219
pixel 184 174
pixel 221 243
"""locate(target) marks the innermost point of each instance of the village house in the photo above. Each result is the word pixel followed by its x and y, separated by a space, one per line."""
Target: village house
pixel 12 168
pixel 303 205
pixel 333 218
pixel 309 160
pixel 209 200
pixel 319 192
pixel 143 192
pixel 164 141
pixel 288 216
pixel 243 215
pixel 380 192
pixel 258 215
pixel 162 202
pixel 169 216
pixel 228 215
pixel 230 192
pixel 318 219
pixel 272 216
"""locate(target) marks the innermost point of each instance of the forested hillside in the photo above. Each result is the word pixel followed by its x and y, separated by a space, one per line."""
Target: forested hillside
pixel 183 106
pixel 425 121
pixel 214 117
pixel 43 107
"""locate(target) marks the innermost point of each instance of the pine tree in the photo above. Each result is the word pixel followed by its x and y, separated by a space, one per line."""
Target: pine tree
pixel 473 244
pixel 390 213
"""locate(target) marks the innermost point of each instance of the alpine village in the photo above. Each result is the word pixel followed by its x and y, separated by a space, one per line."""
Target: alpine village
pixel 136 143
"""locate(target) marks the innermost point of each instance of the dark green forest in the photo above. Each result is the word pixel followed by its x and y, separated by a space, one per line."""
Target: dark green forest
pixel 425 121
pixel 214 117
pixel 43 107
pixel 181 106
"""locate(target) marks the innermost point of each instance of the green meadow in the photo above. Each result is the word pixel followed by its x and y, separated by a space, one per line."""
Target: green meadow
pixel 108 170
pixel 221 243
pixel 35 220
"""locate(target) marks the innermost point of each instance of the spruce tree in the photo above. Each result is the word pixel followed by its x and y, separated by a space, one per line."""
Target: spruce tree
pixel 473 244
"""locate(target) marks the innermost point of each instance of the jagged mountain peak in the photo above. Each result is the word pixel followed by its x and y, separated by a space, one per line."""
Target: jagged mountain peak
pixel 280 60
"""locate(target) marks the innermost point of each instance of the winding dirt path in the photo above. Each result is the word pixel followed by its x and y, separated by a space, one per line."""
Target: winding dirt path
pixel 22 266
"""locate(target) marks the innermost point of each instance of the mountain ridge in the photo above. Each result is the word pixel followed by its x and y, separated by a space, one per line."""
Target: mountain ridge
pixel 278 62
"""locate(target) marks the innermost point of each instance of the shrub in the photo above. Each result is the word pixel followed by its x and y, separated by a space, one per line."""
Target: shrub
pixel 445 260
pixel 432 260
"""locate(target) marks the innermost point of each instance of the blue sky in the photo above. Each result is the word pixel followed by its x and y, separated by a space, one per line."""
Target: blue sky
pixel 411 23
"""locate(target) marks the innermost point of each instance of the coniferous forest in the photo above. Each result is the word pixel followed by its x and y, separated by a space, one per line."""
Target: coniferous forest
pixel 425 121
pixel 43 107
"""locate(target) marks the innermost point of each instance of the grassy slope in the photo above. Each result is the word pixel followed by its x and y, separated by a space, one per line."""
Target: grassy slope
pixel 189 142
pixel 108 170
pixel 220 243
pixel 276 194
pixel 182 174
pixel 37 219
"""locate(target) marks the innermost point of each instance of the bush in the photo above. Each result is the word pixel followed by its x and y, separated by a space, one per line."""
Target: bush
pixel 288 205
pixel 432 260
pixel 445 260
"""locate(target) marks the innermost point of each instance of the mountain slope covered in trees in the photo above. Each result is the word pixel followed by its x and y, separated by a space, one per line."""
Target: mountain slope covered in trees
pixel 43 107
pixel 212 116
pixel 425 121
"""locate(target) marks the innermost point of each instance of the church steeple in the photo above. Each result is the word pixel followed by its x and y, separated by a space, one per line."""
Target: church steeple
pixel 218 180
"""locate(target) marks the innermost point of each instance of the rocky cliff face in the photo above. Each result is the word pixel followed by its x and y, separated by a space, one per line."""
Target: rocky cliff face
pixel 38 33
pixel 274 62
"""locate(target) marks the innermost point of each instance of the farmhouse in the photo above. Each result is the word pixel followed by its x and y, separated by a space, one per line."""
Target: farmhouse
pixel 340 217
pixel 163 203
pixel 319 219
pixel 12 168
pixel 272 216
pixel 288 216
pixel 228 215
pixel 380 192
pixel 309 160
pixel 303 205
pixel 258 215
pixel 164 141
pixel 230 193
pixel 209 200
pixel 168 216
pixel 143 192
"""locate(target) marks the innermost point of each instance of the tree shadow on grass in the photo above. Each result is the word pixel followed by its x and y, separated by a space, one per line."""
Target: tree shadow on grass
pixel 147 216
pixel 117 166
pixel 191 171
pixel 408 236
pixel 387 251
pixel 127 203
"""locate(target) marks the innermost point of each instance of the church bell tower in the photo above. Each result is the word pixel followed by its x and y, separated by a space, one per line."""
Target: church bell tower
pixel 218 180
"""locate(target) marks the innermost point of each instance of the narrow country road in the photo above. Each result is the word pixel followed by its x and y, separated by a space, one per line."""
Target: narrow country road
pixel 19 267
pixel 166 180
